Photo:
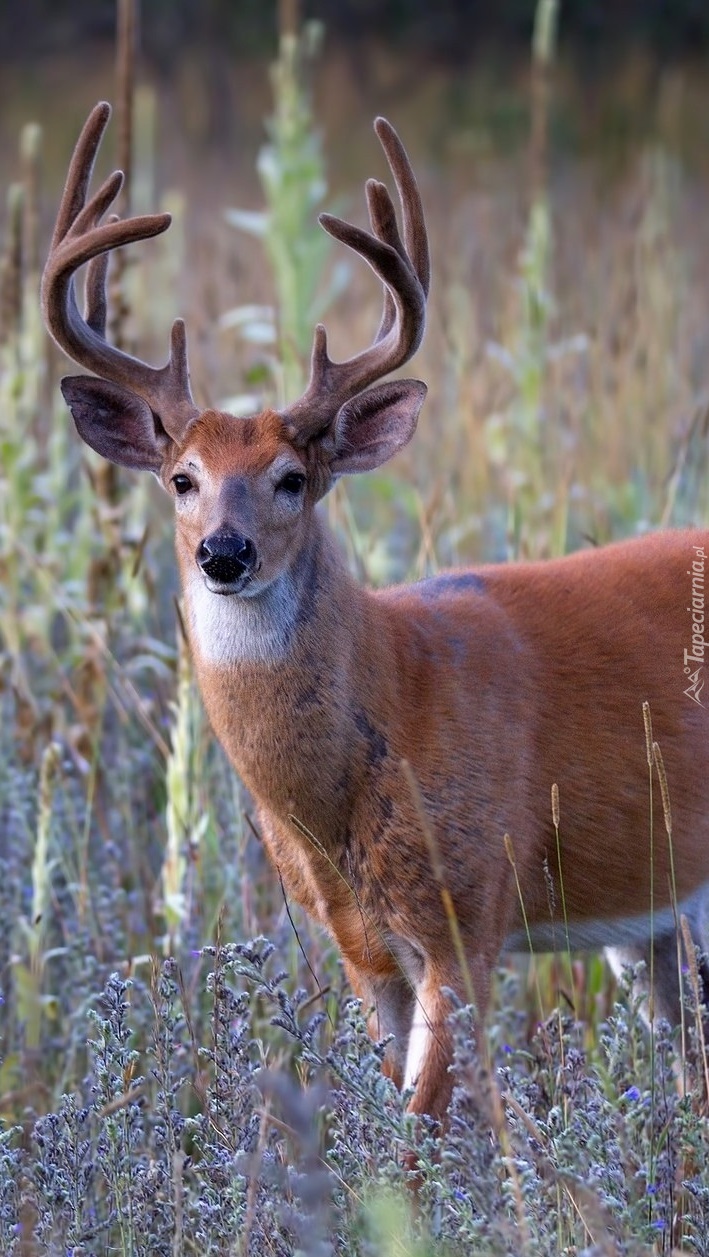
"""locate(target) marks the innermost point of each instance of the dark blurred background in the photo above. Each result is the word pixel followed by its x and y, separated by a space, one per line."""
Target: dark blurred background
pixel 594 31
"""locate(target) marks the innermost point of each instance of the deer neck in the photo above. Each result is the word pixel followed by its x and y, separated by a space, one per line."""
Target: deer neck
pixel 278 674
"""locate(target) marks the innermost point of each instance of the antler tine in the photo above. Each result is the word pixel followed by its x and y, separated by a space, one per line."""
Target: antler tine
pixel 382 216
pixel 89 215
pixel 415 236
pixel 80 170
pixel 96 304
pixel 95 299
pixel 403 268
pixel 80 237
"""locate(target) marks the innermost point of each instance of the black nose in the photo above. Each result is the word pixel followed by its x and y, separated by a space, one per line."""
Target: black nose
pixel 226 556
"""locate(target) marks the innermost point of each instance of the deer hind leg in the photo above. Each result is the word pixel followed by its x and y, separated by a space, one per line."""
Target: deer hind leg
pixel 430 1049
pixel 415 1013
pixel 669 984
pixel 429 1055
pixel 403 993
pixel 388 1002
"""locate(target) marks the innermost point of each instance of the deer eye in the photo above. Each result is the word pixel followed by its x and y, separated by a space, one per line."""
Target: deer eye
pixel 292 483
pixel 182 484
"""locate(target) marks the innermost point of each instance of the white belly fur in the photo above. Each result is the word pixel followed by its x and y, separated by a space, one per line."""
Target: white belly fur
pixel 593 935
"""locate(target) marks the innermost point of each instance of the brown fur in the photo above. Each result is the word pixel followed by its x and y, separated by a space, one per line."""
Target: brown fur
pixel 534 674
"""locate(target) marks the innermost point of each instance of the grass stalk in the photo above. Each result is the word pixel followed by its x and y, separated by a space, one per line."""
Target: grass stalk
pixel 292 173
pixel 690 952
pixel 185 819
pixel 510 853
pixel 647 721
pixel 32 989
pixel 667 814
pixel 125 100
pixel 556 821
pixel 11 269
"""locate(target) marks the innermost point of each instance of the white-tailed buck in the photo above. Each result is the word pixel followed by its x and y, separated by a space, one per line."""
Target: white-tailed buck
pixel 407 730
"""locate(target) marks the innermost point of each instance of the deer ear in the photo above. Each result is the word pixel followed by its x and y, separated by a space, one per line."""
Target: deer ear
pixel 373 426
pixel 116 423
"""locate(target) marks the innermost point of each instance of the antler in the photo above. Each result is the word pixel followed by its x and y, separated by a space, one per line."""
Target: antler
pixel 403 268
pixel 79 237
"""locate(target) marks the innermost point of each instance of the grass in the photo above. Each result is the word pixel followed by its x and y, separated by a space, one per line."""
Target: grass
pixel 166 1086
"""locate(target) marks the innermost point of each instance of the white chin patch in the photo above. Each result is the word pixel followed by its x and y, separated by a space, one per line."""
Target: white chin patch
pixel 232 629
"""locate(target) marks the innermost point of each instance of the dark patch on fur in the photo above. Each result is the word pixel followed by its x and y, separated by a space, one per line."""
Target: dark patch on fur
pixel 385 810
pixel 460 647
pixel 343 785
pixel 450 583
pixel 308 584
pixel 377 749
pixel 307 698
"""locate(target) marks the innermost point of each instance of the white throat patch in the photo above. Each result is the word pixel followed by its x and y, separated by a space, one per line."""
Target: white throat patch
pixel 234 629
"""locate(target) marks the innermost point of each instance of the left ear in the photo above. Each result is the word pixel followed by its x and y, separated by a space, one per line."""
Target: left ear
pixel 373 426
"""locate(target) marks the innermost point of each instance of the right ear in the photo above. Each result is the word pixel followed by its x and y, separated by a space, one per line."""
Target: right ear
pixel 116 423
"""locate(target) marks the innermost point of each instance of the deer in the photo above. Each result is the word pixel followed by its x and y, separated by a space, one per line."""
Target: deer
pixel 395 740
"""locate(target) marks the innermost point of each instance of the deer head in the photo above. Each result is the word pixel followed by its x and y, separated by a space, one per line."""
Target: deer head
pixel 244 489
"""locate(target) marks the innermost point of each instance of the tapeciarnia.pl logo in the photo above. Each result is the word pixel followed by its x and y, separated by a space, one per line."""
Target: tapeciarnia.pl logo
pixel 694 658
